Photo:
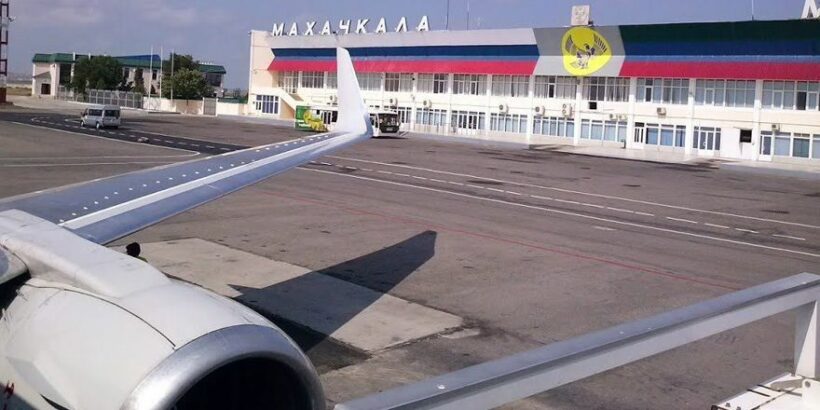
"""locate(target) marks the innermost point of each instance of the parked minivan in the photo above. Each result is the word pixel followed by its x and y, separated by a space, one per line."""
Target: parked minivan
pixel 101 116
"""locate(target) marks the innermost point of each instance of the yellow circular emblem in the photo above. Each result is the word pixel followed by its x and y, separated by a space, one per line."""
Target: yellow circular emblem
pixel 585 51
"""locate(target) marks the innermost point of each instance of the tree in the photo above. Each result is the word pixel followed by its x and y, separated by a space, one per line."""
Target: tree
pixel 139 82
pixel 103 72
pixel 187 84
pixel 181 62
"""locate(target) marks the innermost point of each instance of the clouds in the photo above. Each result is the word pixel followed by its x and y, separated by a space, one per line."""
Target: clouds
pixel 65 13
pixel 83 13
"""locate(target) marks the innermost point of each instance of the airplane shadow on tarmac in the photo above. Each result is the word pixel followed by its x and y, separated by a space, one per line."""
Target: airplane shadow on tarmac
pixel 331 306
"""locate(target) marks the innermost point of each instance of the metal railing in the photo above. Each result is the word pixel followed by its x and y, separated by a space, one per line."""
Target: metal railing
pixel 121 98
pixel 105 97
pixel 512 378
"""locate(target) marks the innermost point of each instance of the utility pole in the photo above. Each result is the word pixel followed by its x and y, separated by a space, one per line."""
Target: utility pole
pixel 447 21
pixel 172 75
pixel 468 14
pixel 150 75
pixel 160 75
pixel 5 19
pixel 753 10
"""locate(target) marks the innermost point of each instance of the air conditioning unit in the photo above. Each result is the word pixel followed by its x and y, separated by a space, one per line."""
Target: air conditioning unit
pixel 775 127
pixel 393 102
pixel 661 111
pixel 622 117
pixel 539 110
pixel 613 117
pixel 503 108
pixel 567 110
pixel 333 99
pixel 427 103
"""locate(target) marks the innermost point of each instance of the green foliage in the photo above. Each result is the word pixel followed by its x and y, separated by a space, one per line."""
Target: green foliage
pixel 187 85
pixel 181 62
pixel 139 82
pixel 102 73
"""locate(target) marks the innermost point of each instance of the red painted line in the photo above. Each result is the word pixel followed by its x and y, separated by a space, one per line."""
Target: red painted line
pixel 410 66
pixel 728 70
pixel 429 225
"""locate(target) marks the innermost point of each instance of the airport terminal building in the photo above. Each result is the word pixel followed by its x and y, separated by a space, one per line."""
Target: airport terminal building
pixel 734 90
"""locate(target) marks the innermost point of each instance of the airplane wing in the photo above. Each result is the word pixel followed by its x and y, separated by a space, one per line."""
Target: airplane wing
pixel 108 209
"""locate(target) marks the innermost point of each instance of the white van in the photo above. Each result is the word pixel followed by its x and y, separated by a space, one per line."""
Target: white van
pixel 101 116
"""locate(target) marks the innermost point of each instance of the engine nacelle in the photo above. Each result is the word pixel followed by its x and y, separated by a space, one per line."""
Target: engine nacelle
pixel 96 329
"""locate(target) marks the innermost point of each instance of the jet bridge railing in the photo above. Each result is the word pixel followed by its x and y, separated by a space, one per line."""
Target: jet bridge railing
pixel 516 377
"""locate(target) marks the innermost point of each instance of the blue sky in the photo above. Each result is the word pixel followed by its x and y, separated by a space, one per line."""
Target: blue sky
pixel 217 31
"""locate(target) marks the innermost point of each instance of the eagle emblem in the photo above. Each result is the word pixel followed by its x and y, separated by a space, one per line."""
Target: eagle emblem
pixel 585 51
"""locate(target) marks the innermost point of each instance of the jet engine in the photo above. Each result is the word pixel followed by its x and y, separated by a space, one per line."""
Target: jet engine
pixel 90 328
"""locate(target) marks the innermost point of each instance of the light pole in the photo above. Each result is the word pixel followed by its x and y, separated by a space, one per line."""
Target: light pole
pixel 172 75
pixel 447 21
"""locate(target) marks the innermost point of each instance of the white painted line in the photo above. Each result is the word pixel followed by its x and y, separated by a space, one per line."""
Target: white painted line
pixel 637 201
pixel 385 172
pixel 513 193
pixel 603 228
pixel 568 213
pixel 422 178
pixel 434 180
pixel 455 183
pixel 593 205
pixel 796 238
pixel 746 230
pixel 643 213
pixel 620 210
pixel 495 190
pixel 476 186
pixel 689 221
pixel 401 175
pixel 192 153
pixel 717 226
pixel 546 198
pixel 351 168
pixel 85 164
pixel 565 201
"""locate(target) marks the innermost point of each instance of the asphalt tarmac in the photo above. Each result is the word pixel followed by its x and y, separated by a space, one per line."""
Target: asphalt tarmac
pixel 526 247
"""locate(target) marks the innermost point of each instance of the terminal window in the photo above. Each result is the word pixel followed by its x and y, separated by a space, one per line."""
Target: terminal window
pixel 267 104
pixel 606 89
pixel 725 93
pixel 470 84
pixel 432 83
pixel 663 90
pixel 558 87
pixel 791 95
pixel 511 85
pixel 398 82
pixel 313 79
pixel 554 126
pixel 370 81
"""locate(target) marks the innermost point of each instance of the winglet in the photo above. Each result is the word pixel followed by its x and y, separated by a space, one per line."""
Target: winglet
pixel 353 115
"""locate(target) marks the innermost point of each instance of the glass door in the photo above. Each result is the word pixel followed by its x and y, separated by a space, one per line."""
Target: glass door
pixel 766 146
pixel 707 140
pixel 640 134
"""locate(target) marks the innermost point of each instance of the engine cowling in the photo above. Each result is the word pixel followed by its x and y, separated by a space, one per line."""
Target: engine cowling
pixel 69 349
pixel 91 328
